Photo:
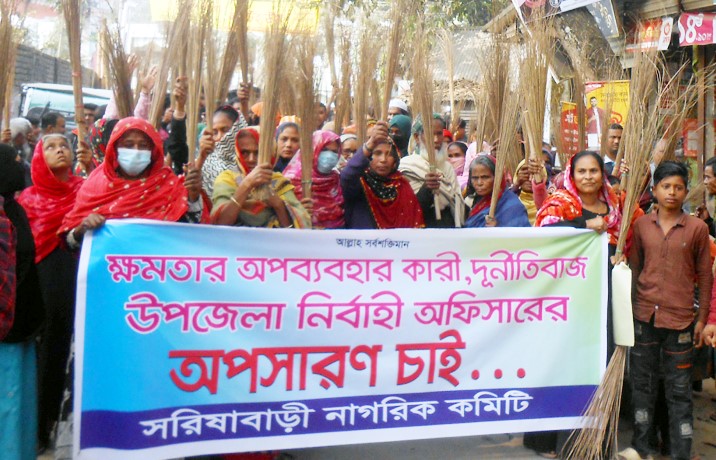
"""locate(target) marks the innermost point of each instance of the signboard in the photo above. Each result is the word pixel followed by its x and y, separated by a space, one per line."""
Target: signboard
pixel 696 29
pixel 598 95
pixel 569 128
pixel 195 340
pixel 651 34
pixel 603 13
pixel 526 7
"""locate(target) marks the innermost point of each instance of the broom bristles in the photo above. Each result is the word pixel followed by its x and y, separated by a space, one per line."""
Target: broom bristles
pixel 306 104
pixel 7 54
pixel 343 98
pixel 397 12
pixel 195 65
pixel 71 9
pixel 120 72
pixel 602 414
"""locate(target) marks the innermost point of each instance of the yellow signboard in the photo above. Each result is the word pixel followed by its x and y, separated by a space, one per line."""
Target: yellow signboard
pixel 599 95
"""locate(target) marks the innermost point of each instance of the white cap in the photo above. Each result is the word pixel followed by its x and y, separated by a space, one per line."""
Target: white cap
pixel 398 104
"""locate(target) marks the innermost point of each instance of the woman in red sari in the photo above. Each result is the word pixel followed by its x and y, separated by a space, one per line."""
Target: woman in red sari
pixel 46 203
pixel 133 182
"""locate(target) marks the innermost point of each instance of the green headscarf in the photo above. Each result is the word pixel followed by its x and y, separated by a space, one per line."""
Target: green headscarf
pixel 403 123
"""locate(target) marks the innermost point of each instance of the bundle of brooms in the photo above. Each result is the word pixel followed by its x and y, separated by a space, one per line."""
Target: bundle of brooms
pixel 343 96
pixel 496 74
pixel 423 89
pixel 448 47
pixel 275 49
pixel 71 9
pixel 650 88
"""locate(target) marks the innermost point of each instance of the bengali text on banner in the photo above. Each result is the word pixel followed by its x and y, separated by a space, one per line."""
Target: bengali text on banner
pixel 194 340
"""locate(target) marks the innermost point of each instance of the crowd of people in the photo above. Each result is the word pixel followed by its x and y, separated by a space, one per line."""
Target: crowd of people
pixel 56 187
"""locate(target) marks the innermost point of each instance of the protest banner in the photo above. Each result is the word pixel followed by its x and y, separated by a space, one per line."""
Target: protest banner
pixel 198 340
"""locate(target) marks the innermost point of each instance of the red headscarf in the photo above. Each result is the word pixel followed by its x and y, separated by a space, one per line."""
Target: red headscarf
pixel 159 196
pixel 239 155
pixel 326 189
pixel 46 203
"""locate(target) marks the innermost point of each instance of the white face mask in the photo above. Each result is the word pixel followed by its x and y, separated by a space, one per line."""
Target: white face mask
pixel 327 160
pixel 133 161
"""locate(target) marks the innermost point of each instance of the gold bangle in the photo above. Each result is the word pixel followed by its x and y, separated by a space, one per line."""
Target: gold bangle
pixel 235 202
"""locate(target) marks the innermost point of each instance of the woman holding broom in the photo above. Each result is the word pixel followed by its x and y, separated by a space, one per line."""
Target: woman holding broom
pixel 587 201
pixel 326 192
pixel 233 189
pixel 376 193
pixel 509 212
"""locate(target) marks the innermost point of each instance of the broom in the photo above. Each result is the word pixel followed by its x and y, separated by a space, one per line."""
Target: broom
pixel 274 53
pixel 397 13
pixel 7 72
pixel 306 104
pixel 534 75
pixel 423 88
pixel 343 97
pixel 194 65
pixel 508 152
pixel 120 72
pixel 242 36
pixel 71 9
pixel 367 57
pixel 170 53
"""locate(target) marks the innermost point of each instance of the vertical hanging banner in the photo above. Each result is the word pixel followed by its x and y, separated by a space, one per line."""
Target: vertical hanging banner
pixel 600 94
pixel 569 128
pixel 195 340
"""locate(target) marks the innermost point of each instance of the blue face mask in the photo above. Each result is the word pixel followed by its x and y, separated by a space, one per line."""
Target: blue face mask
pixel 327 160
pixel 133 161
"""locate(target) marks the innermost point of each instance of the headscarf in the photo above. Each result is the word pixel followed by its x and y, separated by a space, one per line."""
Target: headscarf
pixel 403 123
pixel 527 198
pixel 47 202
pixel 159 196
pixel 223 158
pixel 391 200
pixel 483 202
pixel 281 163
pixel 565 204
pixel 458 164
pixel 326 189
pixel 256 213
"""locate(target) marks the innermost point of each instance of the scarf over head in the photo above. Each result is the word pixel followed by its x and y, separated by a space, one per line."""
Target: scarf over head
pixel 47 202
pixel 159 196
pixel 223 157
pixel 527 198
pixel 281 162
pixel 256 213
pixel 326 191
pixel 403 123
pixel 483 202
pixel 565 204
pixel 392 202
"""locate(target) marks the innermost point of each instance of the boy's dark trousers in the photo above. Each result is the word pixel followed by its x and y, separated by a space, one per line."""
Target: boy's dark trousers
pixel 675 348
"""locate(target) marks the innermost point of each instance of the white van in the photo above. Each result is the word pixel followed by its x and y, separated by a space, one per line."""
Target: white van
pixel 58 98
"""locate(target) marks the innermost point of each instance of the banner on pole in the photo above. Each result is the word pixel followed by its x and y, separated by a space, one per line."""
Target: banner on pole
pixel 197 340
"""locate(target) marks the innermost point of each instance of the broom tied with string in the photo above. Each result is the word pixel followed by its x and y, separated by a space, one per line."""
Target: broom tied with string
pixel 343 97
pixel 71 9
pixel 242 37
pixel 367 58
pixel 508 152
pixel 423 88
pixel 7 72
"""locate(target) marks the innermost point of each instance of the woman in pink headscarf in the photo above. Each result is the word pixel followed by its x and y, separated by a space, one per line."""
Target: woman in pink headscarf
pixel 326 193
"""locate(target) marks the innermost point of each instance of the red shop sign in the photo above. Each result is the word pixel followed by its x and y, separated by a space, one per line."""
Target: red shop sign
pixel 696 29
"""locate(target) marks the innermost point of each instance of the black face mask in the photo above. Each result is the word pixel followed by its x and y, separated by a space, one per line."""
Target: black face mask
pixel 400 141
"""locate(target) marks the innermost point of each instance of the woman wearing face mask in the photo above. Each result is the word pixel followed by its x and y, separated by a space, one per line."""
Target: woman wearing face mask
pixel 133 182
pixel 46 203
pixel 376 194
pixel 232 198
pixel 456 156
pixel 400 126
pixel 326 193
pixel 288 142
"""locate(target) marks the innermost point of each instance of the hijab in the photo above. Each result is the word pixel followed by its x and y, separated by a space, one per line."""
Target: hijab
pixel 47 202
pixel 159 196
pixel 326 189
